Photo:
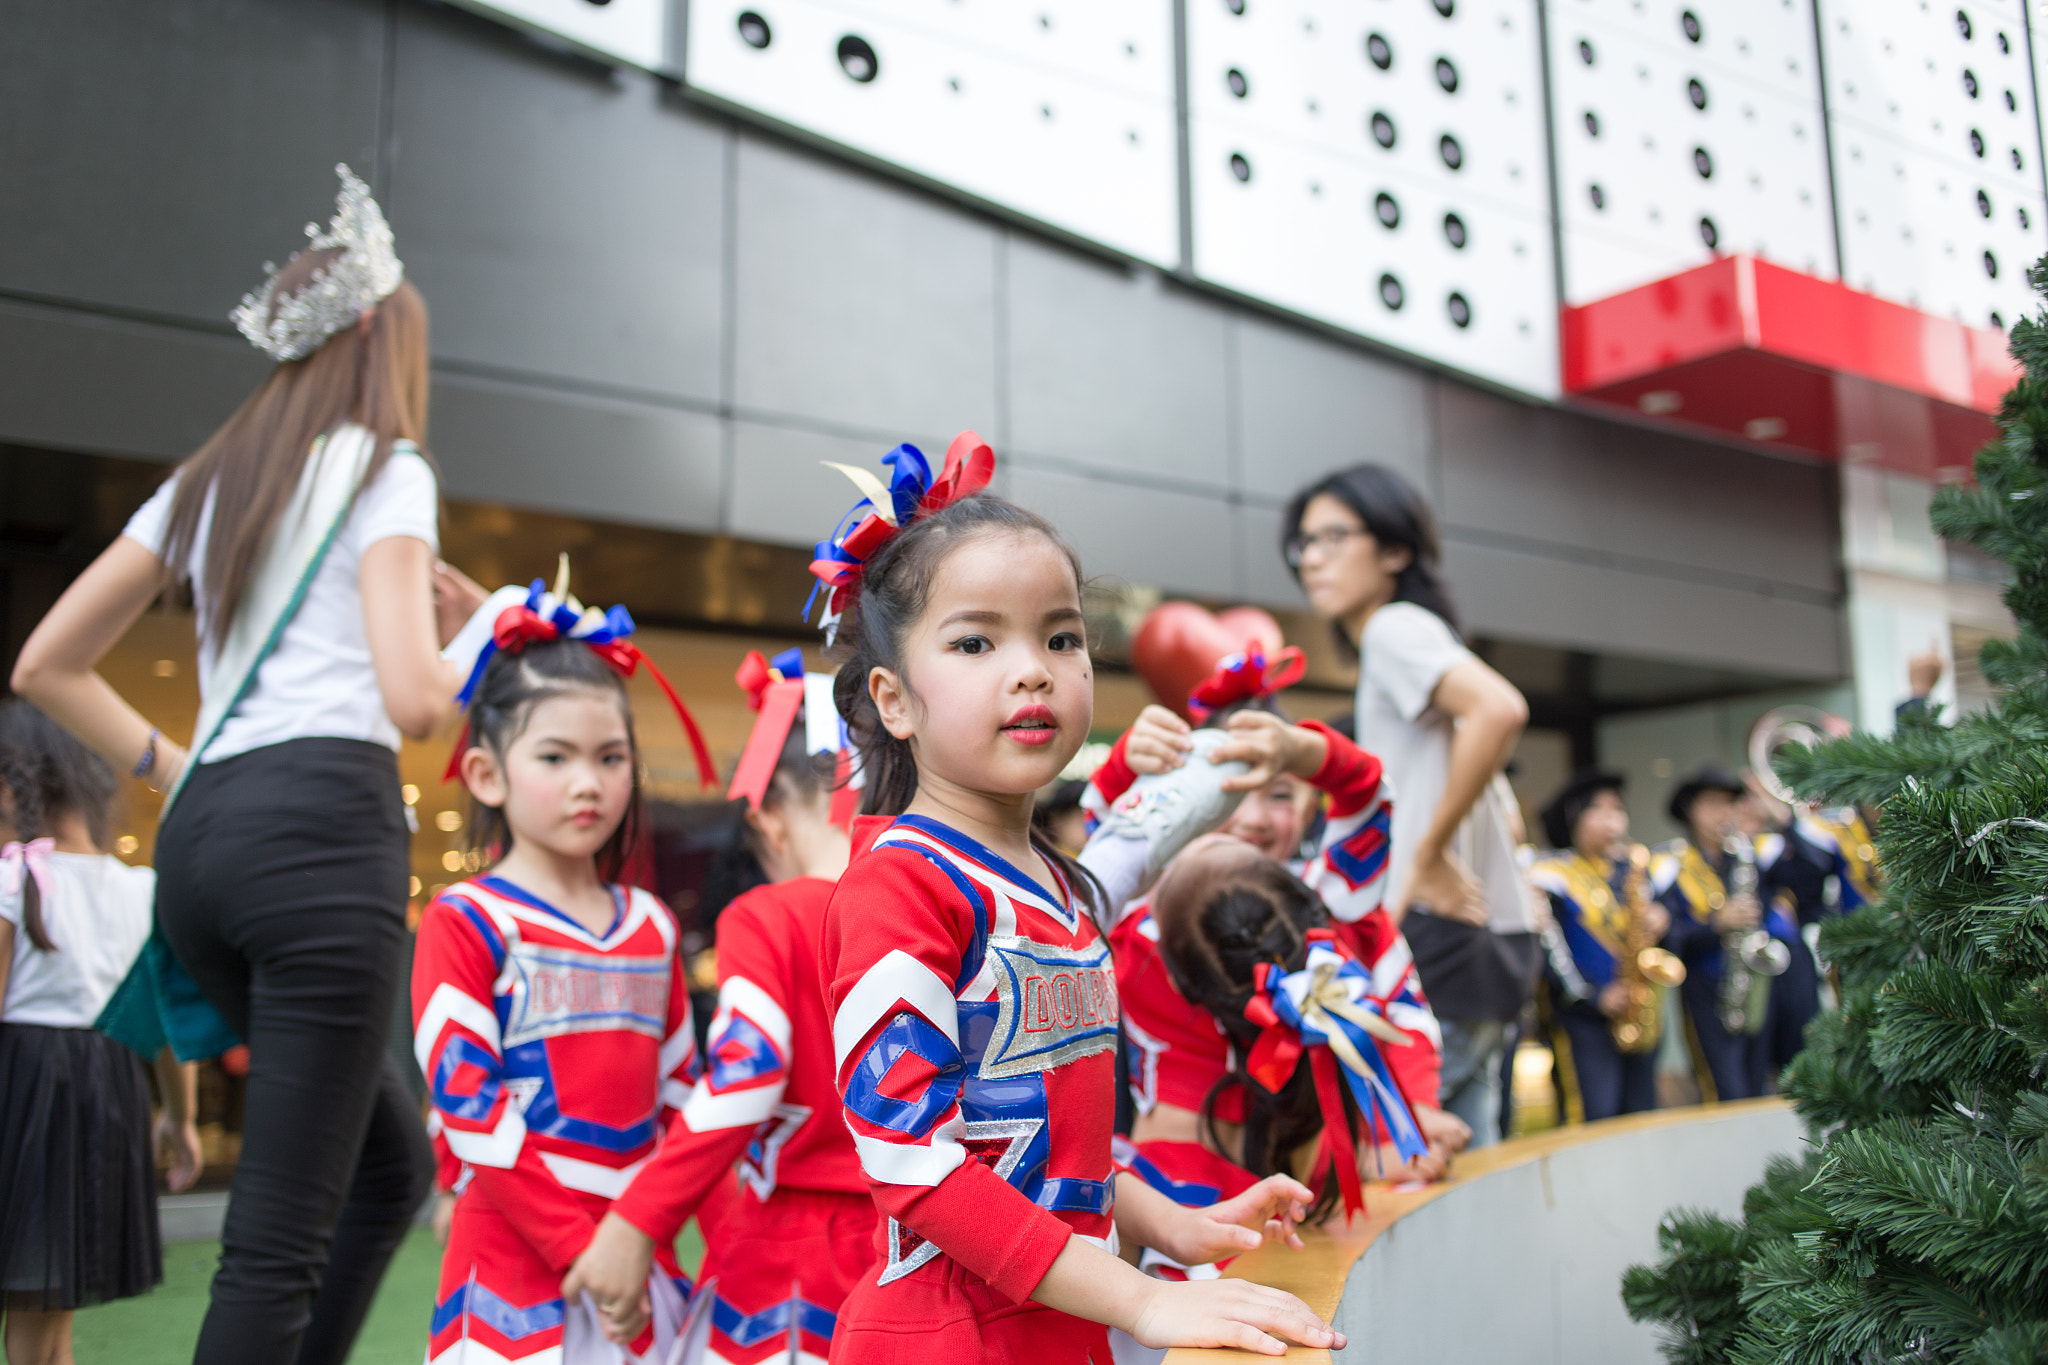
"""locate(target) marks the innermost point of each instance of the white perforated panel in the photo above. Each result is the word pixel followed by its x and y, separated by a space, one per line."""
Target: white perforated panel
pixel 1935 146
pixel 1684 131
pixel 1062 110
pixel 635 32
pixel 1381 167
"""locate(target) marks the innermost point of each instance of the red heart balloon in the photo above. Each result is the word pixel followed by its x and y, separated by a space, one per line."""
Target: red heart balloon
pixel 1179 644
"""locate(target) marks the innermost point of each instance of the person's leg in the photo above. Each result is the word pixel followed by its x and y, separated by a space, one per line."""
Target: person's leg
pixel 38 1337
pixel 1598 1065
pixel 393 1177
pixel 1638 1082
pixel 1795 999
pixel 1471 1075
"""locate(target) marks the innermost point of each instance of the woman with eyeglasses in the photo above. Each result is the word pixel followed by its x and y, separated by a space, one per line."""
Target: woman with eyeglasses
pixel 1363 543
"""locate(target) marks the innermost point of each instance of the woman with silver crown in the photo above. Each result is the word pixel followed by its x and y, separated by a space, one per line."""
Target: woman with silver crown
pixel 306 531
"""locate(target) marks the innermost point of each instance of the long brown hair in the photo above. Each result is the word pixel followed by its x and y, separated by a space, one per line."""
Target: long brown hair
pixel 373 373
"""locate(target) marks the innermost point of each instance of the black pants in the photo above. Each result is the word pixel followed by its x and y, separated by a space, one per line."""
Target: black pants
pixel 1739 1064
pixel 1795 999
pixel 1610 1081
pixel 281 887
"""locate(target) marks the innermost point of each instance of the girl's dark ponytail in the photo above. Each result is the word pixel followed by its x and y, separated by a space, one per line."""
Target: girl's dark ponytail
pixel 48 775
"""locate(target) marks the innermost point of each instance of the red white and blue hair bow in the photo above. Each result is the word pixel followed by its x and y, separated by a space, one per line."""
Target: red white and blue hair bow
pixel 545 616
pixel 1246 675
pixel 886 509
pixel 777 690
pixel 1328 1010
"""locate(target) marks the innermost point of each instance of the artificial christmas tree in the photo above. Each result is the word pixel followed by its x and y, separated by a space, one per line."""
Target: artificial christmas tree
pixel 1916 1227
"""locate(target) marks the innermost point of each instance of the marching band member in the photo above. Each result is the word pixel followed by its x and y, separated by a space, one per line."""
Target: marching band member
pixel 1586 878
pixel 1699 880
pixel 780 1263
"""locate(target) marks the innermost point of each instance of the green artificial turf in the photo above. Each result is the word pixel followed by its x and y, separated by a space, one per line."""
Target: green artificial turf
pixel 159 1328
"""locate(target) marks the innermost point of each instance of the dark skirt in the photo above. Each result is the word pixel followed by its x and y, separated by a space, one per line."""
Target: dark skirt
pixel 78 1222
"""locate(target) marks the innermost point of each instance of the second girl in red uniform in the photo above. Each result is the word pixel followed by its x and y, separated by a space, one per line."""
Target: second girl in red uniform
pixel 974 1004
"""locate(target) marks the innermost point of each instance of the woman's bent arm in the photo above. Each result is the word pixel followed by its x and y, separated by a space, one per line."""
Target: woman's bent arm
pixel 57 667
pixel 418 686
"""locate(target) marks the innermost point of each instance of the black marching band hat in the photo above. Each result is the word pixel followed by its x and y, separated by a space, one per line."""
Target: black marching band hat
pixel 1712 778
pixel 1561 817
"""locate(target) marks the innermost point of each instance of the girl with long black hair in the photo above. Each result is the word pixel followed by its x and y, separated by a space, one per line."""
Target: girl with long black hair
pixel 305 530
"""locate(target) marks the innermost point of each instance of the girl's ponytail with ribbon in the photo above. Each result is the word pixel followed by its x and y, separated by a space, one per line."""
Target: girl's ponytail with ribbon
pixel 541 616
pixel 779 691
pixel 883 511
pixel 1328 1010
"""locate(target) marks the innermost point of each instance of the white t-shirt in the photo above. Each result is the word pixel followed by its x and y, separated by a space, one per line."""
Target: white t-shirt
pixel 1406 651
pixel 318 679
pixel 96 909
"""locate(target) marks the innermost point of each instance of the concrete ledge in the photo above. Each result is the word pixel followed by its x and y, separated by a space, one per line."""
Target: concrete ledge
pixel 191 1217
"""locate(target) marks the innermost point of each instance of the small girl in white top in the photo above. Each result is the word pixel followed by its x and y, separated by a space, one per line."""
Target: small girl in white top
pixel 77 1181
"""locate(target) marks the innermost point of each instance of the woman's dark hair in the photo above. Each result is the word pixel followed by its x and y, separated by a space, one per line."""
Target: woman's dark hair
pixel 1213 933
pixel 895 584
pixel 48 775
pixel 1396 513
pixel 512 685
pixel 373 372
pixel 800 777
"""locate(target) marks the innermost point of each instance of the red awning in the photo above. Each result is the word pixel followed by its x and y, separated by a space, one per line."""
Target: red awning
pixel 1741 347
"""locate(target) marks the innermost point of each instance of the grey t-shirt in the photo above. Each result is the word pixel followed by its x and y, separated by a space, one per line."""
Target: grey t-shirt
pixel 1406 651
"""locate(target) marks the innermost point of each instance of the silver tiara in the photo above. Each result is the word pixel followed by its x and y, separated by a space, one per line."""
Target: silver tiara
pixel 363 275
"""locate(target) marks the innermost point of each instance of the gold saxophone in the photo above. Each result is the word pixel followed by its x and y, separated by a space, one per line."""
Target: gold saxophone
pixel 1644 966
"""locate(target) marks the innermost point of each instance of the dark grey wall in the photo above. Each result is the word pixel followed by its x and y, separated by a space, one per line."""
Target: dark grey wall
pixel 647 313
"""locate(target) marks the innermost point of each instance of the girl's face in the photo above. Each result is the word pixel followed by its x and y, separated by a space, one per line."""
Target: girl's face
pixel 1603 827
pixel 1343 569
pixel 1271 819
pixel 566 779
pixel 996 693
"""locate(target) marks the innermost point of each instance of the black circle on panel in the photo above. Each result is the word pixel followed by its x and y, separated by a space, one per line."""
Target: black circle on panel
pixel 1991 265
pixel 2004 43
pixel 1996 320
pixel 599 3
pixel 1689 24
pixel 1382 129
pixel 2012 103
pixel 1696 92
pixel 2017 163
pixel 1969 83
pixel 1447 147
pixel 1234 6
pixel 1391 293
pixel 1387 210
pixel 1378 51
pixel 1709 234
pixel 1703 162
pixel 1240 167
pixel 1976 142
pixel 857 59
pixel 1983 204
pixel 1460 310
pixel 1236 82
pixel 1963 24
pixel 754 30
pixel 1454 231
pixel 1597 195
pixel 1447 75
pixel 1585 52
pixel 1592 124
pixel 2024 224
pixel 1445 7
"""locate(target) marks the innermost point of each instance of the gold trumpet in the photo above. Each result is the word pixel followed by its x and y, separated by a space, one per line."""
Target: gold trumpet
pixel 1644 967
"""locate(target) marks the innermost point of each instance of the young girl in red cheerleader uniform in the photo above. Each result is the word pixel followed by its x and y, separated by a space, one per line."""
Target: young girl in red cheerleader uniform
pixel 974 1006
pixel 551 1016
pixel 779 1263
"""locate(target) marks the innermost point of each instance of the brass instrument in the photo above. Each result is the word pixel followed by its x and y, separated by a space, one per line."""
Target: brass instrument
pixel 1781 728
pixel 1644 967
pixel 1749 957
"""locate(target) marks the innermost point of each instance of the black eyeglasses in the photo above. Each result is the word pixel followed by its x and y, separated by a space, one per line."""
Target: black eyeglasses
pixel 1298 545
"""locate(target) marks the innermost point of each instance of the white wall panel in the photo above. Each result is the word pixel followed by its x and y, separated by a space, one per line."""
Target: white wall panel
pixel 1935 144
pixel 1062 110
pixel 1683 132
pixel 635 32
pixel 1329 143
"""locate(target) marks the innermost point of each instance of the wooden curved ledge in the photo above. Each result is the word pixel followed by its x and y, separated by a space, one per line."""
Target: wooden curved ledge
pixel 1319 1273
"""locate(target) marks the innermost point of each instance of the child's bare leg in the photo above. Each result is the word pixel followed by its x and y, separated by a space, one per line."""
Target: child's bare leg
pixel 38 1337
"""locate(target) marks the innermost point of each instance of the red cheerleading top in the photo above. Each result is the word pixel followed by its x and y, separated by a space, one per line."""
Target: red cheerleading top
pixel 1178 1051
pixel 768 1100
pixel 974 1019
pixel 550 1052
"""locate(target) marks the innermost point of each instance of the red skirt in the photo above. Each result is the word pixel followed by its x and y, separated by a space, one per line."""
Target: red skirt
pixel 779 1272
pixel 943 1312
